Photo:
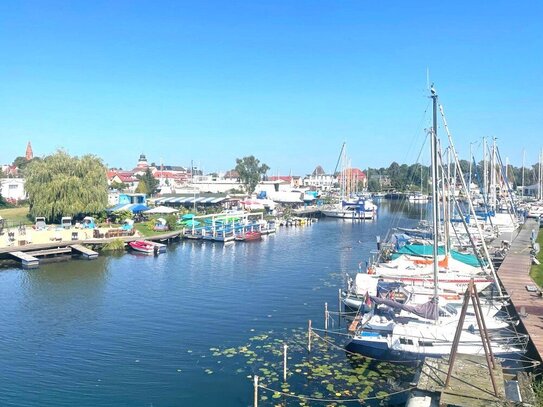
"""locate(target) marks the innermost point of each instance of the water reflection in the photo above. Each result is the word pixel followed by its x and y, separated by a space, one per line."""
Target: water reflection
pixel 136 330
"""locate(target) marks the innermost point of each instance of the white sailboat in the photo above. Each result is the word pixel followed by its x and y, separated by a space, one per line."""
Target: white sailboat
pixel 350 205
pixel 412 339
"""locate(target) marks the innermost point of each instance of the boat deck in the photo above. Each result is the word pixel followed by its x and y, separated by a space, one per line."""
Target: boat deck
pixel 514 274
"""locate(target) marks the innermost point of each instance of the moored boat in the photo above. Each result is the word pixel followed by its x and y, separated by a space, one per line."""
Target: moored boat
pixel 144 246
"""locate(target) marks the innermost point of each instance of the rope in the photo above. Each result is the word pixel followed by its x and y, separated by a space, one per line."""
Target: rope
pixel 334 400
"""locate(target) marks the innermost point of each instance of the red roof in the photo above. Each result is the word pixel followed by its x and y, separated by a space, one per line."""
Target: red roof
pixel 124 176
pixel 169 174
pixel 354 173
pixel 286 178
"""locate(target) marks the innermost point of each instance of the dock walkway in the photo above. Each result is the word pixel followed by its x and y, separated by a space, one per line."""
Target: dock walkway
pixel 470 383
pixel 514 274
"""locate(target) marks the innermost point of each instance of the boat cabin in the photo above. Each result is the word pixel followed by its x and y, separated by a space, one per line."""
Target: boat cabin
pixel 66 222
pixel 40 223
pixel 88 223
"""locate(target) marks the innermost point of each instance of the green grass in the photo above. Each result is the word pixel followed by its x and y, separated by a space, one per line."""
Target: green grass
pixel 16 215
pixel 146 232
pixel 536 272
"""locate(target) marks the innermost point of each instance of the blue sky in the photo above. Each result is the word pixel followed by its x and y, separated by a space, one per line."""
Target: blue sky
pixel 286 81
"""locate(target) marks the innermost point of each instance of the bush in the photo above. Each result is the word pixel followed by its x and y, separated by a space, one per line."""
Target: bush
pixel 171 222
pixel 113 246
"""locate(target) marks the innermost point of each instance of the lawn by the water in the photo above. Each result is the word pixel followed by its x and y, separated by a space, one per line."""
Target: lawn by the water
pixel 536 272
pixel 16 215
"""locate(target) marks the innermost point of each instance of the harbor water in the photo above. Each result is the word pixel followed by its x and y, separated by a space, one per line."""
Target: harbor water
pixel 136 330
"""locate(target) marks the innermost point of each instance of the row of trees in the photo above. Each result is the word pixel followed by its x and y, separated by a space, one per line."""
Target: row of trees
pixel 410 177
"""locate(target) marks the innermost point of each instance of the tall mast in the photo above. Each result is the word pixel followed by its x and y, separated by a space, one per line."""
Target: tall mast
pixel 523 160
pixel 435 202
pixel 470 205
pixel 485 173
pixel 541 175
pixel 493 176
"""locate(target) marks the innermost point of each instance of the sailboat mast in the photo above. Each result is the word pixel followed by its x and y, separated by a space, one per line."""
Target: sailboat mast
pixel 523 162
pixel 435 202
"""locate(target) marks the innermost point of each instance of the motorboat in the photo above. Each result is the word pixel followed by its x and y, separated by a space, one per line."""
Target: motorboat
pixel 143 246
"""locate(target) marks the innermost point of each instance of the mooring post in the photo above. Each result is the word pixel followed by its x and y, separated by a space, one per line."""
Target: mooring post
pixel 339 304
pixel 309 337
pixel 326 316
pixel 255 402
pixel 285 347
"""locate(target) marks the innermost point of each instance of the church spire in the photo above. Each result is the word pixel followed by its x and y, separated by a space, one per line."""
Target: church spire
pixel 29 154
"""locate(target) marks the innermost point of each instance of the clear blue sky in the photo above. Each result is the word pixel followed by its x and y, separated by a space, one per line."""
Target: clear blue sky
pixel 286 81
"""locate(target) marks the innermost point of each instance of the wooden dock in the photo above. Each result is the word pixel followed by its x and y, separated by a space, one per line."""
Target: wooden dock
pixel 514 274
pixel 26 260
pixel 54 251
pixel 470 383
pixel 311 212
pixel 84 251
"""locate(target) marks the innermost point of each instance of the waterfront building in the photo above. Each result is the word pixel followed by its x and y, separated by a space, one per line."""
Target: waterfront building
pixel 319 180
pixel 215 183
pixel 13 189
pixel 123 177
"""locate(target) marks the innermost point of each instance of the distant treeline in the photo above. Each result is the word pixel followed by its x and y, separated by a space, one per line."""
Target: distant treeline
pixel 403 177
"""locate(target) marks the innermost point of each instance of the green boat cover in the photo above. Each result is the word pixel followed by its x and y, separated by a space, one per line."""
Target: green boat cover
pixel 426 250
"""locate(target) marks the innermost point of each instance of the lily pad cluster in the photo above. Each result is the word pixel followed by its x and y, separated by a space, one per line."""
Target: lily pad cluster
pixel 327 373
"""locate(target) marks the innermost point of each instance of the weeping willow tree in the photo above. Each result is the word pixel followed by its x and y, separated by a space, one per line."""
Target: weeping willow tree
pixel 62 185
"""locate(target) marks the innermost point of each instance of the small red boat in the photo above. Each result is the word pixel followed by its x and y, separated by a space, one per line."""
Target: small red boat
pixel 253 236
pixel 143 246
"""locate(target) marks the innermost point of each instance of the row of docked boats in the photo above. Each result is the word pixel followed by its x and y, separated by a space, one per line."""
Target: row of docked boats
pixel 228 228
pixel 408 300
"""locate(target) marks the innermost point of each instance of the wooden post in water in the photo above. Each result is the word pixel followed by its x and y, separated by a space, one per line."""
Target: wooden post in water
pixel 309 337
pixel 326 316
pixel 255 402
pixel 339 305
pixel 285 347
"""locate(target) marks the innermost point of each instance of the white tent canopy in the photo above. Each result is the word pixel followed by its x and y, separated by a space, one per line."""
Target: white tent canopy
pixel 161 209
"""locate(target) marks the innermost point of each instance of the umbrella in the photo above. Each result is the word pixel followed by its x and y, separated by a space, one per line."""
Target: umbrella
pixel 161 209
pixel 138 208
pixel 191 223
pixel 188 216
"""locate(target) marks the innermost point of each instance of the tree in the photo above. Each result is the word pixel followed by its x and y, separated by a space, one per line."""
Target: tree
pixel 118 185
pixel 151 183
pixel 373 185
pixel 142 187
pixel 62 185
pixel 250 171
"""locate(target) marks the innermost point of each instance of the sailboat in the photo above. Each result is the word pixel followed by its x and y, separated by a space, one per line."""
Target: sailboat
pixel 413 340
pixel 418 197
pixel 350 205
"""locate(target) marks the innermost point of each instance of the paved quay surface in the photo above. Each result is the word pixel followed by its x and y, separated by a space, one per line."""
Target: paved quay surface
pixel 514 274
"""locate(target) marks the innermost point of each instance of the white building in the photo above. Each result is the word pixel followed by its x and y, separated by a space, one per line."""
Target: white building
pixel 215 184
pixel 13 189
pixel 319 180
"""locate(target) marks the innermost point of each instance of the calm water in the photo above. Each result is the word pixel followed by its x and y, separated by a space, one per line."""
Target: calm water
pixel 134 330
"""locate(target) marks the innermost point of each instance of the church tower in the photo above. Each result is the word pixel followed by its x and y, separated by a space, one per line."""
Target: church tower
pixel 29 154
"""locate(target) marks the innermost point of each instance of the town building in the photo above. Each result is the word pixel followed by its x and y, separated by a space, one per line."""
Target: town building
pixel 319 180
pixel 13 189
